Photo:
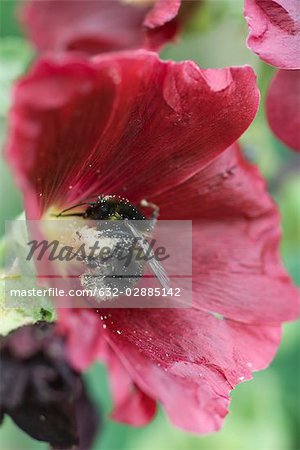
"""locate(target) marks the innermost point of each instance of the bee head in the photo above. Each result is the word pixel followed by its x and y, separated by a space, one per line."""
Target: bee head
pixel 103 209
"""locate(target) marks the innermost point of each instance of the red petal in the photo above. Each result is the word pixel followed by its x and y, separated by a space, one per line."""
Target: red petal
pixel 131 405
pixel 189 360
pixel 125 124
pixel 274 31
pixel 236 265
pixel 162 12
pixel 283 106
pixel 96 26
pixel 84 332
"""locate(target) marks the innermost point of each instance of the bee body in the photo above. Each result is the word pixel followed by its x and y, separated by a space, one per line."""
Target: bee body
pixel 125 237
pixel 110 207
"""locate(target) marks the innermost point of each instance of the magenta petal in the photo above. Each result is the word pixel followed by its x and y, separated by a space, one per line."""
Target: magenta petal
pixel 274 31
pixel 283 107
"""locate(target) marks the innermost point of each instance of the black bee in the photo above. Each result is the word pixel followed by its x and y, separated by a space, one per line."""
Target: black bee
pixel 112 208
pixel 108 207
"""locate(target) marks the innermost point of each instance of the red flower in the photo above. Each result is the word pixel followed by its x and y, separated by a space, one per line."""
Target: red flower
pixel 96 26
pixel 282 105
pixel 275 36
pixel 130 124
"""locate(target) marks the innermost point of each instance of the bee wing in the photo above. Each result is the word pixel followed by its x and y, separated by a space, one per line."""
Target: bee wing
pixel 154 265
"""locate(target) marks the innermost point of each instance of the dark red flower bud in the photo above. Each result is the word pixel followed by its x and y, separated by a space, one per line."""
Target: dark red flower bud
pixel 42 394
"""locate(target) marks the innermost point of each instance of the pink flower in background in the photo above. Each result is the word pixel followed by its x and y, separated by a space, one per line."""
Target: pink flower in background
pixel 283 107
pixel 275 37
pixel 274 31
pixel 132 125
pixel 96 26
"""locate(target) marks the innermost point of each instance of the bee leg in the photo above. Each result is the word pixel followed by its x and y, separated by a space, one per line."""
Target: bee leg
pixel 154 207
pixel 61 214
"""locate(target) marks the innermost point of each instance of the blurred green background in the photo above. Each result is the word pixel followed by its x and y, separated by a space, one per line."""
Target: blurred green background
pixel 265 412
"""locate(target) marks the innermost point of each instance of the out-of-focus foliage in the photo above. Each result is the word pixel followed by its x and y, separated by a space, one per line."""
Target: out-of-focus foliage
pixel 15 54
pixel 265 412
